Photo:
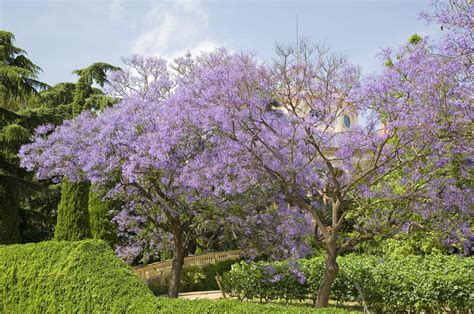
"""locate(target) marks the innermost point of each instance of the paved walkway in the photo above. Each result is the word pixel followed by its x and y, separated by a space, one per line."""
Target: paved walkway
pixel 212 295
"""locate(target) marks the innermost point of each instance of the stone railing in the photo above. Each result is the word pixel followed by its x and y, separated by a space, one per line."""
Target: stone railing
pixel 160 269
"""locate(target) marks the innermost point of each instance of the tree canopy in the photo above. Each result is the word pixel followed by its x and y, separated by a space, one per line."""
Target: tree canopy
pixel 222 124
pixel 18 74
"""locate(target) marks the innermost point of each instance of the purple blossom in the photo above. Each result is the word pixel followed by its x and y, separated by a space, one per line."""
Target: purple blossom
pixel 226 125
pixel 276 278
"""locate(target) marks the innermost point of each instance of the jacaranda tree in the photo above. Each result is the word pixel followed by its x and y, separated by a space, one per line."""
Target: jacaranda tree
pixel 222 124
pixel 128 149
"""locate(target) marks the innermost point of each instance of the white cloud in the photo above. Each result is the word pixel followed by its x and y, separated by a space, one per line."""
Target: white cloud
pixel 172 29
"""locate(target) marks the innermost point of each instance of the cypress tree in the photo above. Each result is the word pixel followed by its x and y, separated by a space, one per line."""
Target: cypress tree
pixel 73 215
pixel 100 219
pixel 73 210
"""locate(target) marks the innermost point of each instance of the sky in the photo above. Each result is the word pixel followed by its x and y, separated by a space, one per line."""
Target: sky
pixel 63 35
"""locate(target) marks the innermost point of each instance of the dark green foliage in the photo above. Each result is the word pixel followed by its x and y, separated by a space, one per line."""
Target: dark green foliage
pixel 15 183
pixel 193 278
pixel 99 102
pixel 387 284
pixel 27 207
pixel 96 72
pixel 14 134
pixel 34 117
pixel 100 218
pixel 73 214
pixel 38 214
pixel 69 277
pixel 9 218
pixel 7 116
pixel 59 94
pixel 18 75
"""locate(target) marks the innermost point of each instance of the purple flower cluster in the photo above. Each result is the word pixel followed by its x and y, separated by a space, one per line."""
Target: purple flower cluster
pixel 222 124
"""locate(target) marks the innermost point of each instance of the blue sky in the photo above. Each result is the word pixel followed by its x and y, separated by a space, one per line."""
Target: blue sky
pixel 63 35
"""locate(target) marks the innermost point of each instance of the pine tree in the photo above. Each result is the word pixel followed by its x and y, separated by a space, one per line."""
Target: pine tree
pixel 14 182
pixel 96 72
pixel 18 74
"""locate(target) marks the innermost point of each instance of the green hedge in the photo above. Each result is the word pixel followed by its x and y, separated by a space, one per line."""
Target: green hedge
pixel 234 306
pixel 86 277
pixel 71 277
pixel 409 283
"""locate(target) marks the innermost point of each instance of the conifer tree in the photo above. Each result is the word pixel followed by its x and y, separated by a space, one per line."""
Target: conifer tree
pixel 100 220
pixel 73 217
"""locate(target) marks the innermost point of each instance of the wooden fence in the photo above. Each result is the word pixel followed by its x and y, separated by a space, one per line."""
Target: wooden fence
pixel 163 268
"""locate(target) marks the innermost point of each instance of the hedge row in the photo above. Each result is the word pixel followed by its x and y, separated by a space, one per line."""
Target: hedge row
pixel 409 283
pixel 235 306
pixel 69 277
pixel 86 277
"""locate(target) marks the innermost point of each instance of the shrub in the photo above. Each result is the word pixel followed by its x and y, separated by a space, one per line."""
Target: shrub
pixel 264 281
pixel 409 283
pixel 59 276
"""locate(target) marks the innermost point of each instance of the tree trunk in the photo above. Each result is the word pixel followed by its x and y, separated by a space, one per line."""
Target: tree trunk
pixel 177 266
pixel 330 274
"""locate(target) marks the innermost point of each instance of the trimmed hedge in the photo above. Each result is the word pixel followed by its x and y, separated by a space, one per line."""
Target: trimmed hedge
pixel 71 277
pixel 86 277
pixel 234 306
pixel 409 283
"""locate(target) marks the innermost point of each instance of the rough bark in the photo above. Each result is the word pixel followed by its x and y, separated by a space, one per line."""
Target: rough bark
pixel 177 266
pixel 330 274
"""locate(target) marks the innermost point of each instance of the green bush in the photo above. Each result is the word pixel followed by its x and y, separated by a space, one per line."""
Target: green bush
pixel 70 277
pixel 409 283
